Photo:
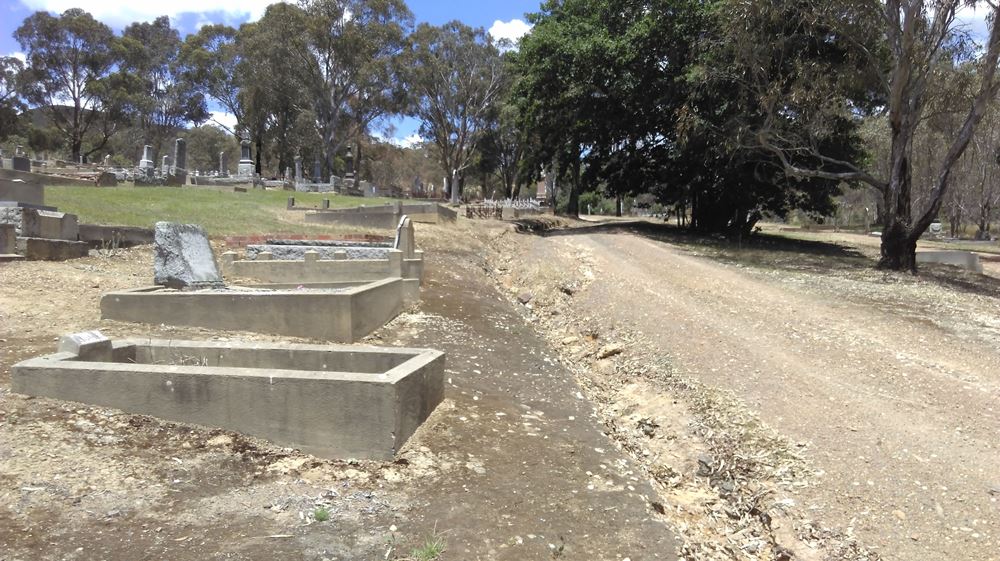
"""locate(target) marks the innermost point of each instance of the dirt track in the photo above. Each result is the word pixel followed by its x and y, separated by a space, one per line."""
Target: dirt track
pixel 889 385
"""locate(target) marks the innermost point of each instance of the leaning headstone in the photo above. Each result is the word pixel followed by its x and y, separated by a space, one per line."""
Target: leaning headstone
pixel 89 346
pixel 184 258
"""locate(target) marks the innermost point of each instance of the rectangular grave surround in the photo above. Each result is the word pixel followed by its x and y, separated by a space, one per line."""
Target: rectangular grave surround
pixel 344 314
pixel 328 400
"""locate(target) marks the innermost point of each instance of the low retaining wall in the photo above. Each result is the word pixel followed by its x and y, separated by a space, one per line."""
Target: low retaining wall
pixel 343 315
pixel 47 179
pixel 964 259
pixel 383 217
pixel 330 401
pixel 98 236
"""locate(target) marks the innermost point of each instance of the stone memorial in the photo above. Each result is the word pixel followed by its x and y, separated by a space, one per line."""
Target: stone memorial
pixel 317 176
pixel 20 162
pixel 165 167
pixel 146 163
pixel 245 167
pixel 223 165
pixel 184 258
pixel 298 169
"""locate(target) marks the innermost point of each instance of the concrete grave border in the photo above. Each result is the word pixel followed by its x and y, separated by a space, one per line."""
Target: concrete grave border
pixel 313 263
pixel 344 315
pixel 330 401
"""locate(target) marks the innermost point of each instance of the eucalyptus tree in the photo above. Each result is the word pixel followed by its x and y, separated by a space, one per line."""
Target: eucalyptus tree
pixel 901 45
pixel 163 97
pixel 211 58
pixel 11 106
pixel 455 77
pixel 347 58
pixel 70 58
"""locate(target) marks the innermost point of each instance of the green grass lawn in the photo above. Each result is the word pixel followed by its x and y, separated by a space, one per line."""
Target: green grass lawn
pixel 220 213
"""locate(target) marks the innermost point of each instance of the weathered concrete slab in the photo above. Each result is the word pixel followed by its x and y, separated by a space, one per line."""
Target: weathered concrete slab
pixel 964 259
pixel 41 249
pixel 331 401
pixel 8 239
pixel 184 257
pixel 345 315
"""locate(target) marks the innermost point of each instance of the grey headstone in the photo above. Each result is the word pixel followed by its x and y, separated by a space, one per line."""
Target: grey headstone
pixel 20 163
pixel 88 345
pixel 184 257
pixel 180 154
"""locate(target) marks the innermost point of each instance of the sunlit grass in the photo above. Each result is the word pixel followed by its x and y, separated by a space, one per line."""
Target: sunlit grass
pixel 219 212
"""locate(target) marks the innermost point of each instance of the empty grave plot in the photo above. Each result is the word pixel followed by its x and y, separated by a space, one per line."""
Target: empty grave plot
pixel 327 400
pixel 341 312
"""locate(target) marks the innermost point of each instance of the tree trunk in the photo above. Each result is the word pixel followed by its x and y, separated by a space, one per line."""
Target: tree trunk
pixel 573 205
pixel 260 148
pixel 899 249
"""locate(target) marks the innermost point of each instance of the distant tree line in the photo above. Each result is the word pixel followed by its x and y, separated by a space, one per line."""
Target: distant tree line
pixel 725 112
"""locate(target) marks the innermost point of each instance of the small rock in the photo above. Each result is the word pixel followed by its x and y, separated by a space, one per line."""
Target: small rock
pixel 570 340
pixel 608 351
pixel 525 297
pixel 899 514
pixel 220 440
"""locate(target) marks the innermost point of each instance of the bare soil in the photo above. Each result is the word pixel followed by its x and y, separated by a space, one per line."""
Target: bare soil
pixel 830 411
pixel 514 464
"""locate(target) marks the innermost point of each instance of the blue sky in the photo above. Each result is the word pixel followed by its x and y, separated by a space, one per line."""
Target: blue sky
pixel 502 17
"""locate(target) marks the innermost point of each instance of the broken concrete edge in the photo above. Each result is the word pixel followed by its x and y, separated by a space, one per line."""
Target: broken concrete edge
pixel 336 414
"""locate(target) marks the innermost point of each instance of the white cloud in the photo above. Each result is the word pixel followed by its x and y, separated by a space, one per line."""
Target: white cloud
pixel 511 30
pixel 123 12
pixel 406 142
pixel 974 20
pixel 20 56
pixel 227 120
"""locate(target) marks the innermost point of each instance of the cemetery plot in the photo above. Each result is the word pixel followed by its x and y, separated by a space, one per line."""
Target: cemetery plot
pixel 330 401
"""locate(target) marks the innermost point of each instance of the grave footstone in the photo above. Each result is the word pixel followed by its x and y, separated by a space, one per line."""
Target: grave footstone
pixel 90 346
pixel 184 258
